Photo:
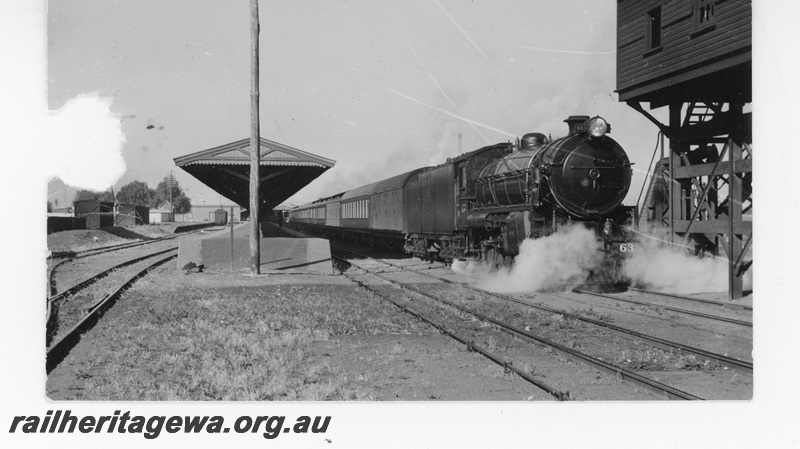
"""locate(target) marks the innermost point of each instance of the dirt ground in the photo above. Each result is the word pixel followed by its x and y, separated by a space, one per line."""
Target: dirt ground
pixel 371 352
pixel 84 239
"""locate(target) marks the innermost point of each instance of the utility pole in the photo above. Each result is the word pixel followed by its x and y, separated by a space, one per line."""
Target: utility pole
pixel 113 207
pixel 171 206
pixel 255 144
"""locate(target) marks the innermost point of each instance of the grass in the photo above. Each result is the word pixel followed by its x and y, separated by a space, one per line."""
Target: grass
pixel 656 359
pixel 591 313
pixel 557 321
pixel 240 343
pixel 491 344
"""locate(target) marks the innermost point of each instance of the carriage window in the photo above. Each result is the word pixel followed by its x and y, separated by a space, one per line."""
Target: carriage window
pixel 462 177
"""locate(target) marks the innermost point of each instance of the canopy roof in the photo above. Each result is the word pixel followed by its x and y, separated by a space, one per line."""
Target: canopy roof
pixel 226 169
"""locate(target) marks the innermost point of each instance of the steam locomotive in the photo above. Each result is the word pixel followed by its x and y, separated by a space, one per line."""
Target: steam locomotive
pixel 483 204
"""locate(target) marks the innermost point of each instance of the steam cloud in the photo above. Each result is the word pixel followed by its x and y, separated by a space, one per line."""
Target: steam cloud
pixel 563 260
pixel 558 261
pixel 654 265
pixel 88 139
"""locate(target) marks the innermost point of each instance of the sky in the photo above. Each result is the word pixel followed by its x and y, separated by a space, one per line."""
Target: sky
pixel 380 87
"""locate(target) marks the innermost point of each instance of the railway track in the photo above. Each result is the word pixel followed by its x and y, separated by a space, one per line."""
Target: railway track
pixel 670 308
pixel 105 249
pixel 54 301
pixel 59 350
pixel 724 360
pixel 88 281
pixel 730 305
pixel 616 370
pixel 507 365
pixel 71 256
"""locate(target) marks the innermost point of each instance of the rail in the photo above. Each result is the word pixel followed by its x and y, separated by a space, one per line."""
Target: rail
pixel 670 308
pixel 625 374
pixel 60 349
pixel 657 341
pixel 508 366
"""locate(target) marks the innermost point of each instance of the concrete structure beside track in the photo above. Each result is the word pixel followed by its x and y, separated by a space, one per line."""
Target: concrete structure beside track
pixel 212 251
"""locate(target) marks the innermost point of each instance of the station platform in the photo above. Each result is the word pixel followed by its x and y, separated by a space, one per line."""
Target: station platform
pixel 212 251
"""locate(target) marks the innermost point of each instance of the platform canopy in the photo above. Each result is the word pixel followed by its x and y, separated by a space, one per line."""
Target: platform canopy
pixel 226 169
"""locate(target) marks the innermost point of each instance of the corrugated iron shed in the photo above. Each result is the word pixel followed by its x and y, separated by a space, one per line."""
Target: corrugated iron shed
pixel 226 169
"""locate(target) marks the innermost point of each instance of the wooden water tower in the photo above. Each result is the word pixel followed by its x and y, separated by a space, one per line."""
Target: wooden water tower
pixel 695 58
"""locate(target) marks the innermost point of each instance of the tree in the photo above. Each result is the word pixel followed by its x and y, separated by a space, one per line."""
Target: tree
pixel 152 200
pixel 107 196
pixel 163 190
pixel 136 193
pixel 182 204
pixel 83 195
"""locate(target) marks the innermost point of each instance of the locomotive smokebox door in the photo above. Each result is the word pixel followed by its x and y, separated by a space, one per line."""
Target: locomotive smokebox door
pixel 589 176
pixel 518 228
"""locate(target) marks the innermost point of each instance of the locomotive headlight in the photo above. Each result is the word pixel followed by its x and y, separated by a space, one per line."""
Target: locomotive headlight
pixel 598 127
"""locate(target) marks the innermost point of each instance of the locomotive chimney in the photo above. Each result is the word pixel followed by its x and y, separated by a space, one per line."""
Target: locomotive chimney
pixel 576 123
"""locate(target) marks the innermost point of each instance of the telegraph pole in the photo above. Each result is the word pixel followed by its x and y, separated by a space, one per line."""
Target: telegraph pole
pixel 171 206
pixel 255 144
